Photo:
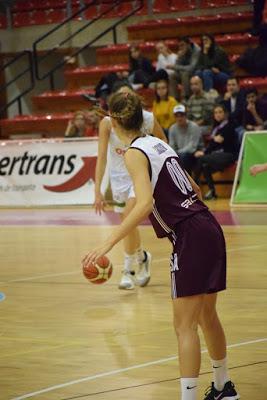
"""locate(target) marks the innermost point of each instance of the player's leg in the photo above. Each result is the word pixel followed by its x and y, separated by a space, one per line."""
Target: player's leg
pixel 129 245
pixel 186 312
pixel 132 245
pixel 216 344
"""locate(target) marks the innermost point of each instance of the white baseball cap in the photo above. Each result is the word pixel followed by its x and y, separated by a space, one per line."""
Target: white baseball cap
pixel 180 108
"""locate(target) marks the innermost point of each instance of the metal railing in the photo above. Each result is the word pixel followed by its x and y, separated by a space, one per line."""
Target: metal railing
pixel 34 59
pixel 112 28
pixel 28 70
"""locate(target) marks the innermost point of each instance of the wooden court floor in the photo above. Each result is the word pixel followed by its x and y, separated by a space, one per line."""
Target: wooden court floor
pixel 63 338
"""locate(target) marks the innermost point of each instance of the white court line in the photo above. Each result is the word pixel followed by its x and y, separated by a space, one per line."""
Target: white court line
pixel 31 278
pixel 118 371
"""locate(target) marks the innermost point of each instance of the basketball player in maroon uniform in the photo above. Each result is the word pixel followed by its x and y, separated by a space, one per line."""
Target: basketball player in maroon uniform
pixel 172 200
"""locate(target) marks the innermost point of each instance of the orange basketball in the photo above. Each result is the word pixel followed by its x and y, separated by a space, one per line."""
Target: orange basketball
pixel 100 272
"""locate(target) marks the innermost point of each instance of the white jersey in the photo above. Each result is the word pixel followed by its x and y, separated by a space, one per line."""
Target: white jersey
pixel 117 149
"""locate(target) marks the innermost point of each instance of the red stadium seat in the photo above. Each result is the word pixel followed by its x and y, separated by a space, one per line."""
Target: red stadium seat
pixel 111 14
pixel 182 5
pixel 56 16
pixel 161 6
pixel 3 23
pixel 222 3
pixel 91 13
pixel 39 17
pixel 56 3
pixel 124 9
pixel 21 6
pixel 143 10
pixel 21 19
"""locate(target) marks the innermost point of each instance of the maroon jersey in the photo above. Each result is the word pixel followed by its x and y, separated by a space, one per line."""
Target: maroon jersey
pixel 174 197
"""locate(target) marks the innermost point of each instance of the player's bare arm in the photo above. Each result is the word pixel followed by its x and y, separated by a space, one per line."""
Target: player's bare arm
pixel 158 131
pixel 195 187
pixel 104 133
pixel 137 166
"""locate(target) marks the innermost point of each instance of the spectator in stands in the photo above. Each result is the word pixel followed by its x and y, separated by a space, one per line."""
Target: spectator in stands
pixel 106 83
pixel 187 59
pixel 257 169
pixel 165 59
pixel 200 105
pixel 184 137
pixel 220 153
pixel 141 69
pixel 163 106
pixel 234 100
pixel 83 123
pixel 213 64
pixel 258 7
pixel 255 112
pixel 254 60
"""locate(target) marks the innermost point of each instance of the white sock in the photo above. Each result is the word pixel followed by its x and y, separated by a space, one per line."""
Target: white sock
pixel 220 373
pixel 140 255
pixel 189 388
pixel 129 261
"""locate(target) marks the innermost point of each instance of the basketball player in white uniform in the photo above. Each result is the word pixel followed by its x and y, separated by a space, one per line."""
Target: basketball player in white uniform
pixel 123 193
pixel 172 200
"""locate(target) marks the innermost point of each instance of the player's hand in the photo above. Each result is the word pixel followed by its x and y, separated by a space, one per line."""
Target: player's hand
pixel 255 169
pixel 99 203
pixel 93 255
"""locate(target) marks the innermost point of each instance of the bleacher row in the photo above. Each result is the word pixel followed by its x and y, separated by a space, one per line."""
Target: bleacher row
pixel 35 12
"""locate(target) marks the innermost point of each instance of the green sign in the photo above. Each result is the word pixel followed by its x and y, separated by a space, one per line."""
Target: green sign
pixel 252 189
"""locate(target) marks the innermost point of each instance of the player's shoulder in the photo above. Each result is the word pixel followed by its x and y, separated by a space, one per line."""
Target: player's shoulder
pixel 105 124
pixel 148 114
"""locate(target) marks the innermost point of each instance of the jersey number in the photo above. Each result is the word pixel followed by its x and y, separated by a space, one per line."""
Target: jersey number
pixel 178 176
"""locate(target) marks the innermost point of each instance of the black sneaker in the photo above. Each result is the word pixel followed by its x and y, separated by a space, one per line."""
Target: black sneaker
pixel 211 195
pixel 228 392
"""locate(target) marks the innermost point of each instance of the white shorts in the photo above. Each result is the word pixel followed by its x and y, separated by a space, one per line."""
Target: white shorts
pixel 121 192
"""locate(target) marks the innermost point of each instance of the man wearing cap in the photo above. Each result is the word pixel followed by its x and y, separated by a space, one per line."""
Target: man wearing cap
pixel 185 137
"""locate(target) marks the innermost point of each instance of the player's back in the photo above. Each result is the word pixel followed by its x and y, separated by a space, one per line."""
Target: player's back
pixel 175 199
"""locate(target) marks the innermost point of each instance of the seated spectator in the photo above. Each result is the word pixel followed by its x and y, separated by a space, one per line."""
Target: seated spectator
pixel 163 106
pixel 213 64
pixel 140 68
pixel 184 137
pixel 254 60
pixel 220 153
pixel 165 59
pixel 255 111
pixel 106 83
pixel 200 105
pixel 84 123
pixel 234 101
pixel 187 59
pixel 258 11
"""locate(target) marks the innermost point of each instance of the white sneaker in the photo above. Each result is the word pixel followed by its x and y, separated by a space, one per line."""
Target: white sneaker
pixel 127 281
pixel 143 275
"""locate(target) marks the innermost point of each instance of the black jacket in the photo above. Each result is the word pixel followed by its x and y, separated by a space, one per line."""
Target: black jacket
pixel 229 145
pixel 219 59
pixel 236 116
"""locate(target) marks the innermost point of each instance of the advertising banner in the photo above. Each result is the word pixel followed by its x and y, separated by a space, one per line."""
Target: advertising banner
pixel 249 188
pixel 48 172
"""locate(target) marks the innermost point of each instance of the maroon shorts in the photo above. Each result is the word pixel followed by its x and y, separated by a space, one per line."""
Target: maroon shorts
pixel 198 261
